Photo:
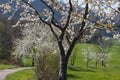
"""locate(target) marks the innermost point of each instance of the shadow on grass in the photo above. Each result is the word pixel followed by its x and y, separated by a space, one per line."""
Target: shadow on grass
pixel 116 67
pixel 72 76
pixel 72 68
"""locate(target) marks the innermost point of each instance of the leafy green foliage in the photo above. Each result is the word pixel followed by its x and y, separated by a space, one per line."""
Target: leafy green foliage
pixel 2 40
pixel 5 42
pixel 27 62
pixel 47 67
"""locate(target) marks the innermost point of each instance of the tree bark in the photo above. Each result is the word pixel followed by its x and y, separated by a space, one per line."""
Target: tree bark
pixel 63 68
pixel 103 63
pixel 32 62
pixel 96 63
pixel 87 63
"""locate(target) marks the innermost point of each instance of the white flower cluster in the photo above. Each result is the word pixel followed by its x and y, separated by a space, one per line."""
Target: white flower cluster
pixel 116 36
pixel 90 54
pixel 36 35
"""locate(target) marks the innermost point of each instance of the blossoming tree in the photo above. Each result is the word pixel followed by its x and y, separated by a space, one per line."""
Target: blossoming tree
pixel 67 20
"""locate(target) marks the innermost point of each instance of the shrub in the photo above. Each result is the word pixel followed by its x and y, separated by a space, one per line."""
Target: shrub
pixel 47 67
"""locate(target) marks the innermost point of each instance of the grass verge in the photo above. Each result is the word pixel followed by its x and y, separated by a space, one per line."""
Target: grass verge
pixel 27 74
pixel 2 66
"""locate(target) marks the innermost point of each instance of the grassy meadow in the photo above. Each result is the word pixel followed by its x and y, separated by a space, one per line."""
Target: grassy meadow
pixel 79 70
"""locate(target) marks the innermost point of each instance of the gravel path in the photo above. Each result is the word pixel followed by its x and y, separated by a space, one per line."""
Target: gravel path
pixel 4 73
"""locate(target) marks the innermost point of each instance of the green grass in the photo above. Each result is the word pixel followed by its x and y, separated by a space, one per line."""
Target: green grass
pixel 27 74
pixel 77 73
pixel 80 72
pixel 2 66
pixel 28 62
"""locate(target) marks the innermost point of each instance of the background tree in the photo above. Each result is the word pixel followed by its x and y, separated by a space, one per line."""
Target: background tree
pixel 2 39
pixel 102 45
pixel 104 51
pixel 7 36
pixel 89 55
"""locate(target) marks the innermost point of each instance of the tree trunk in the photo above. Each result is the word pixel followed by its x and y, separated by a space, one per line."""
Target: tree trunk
pixel 96 63
pixel 103 63
pixel 87 64
pixel 33 61
pixel 63 68
pixel 72 61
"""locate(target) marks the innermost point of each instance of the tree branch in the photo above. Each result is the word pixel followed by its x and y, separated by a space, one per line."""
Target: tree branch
pixel 84 18
pixel 53 13
pixel 69 15
pixel 68 38
pixel 56 36
pixel 112 8
pixel 80 33
pixel 62 53
pixel 41 18
pixel 36 12
pixel 61 48
pixel 67 22
pixel 73 43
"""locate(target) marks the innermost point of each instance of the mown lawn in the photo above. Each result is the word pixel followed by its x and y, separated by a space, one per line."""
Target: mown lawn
pixel 27 62
pixel 79 71
pixel 2 66
pixel 27 74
